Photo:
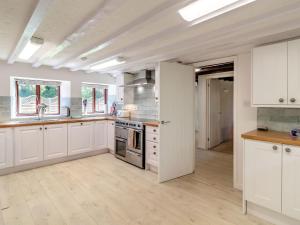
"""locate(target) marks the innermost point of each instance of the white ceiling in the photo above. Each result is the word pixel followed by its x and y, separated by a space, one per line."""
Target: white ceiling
pixel 144 32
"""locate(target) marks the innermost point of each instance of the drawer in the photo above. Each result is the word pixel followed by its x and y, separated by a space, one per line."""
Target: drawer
pixel 152 150
pixel 152 130
pixel 152 137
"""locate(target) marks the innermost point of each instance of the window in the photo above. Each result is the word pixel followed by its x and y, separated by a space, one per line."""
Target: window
pixel 31 93
pixel 94 99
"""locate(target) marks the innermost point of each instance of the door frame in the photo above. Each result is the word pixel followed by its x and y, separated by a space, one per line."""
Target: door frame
pixel 207 104
pixel 234 60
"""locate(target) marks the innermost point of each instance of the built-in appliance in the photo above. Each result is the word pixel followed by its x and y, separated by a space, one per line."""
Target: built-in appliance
pixel 130 142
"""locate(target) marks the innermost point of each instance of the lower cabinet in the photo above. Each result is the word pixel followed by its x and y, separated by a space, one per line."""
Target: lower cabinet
pixel 29 144
pixel 152 148
pixel 100 132
pixel 6 148
pixel 291 181
pixel 111 135
pixel 272 177
pixel 80 137
pixel 55 141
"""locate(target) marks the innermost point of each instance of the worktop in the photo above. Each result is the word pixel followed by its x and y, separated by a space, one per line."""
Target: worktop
pixel 272 136
pixel 23 123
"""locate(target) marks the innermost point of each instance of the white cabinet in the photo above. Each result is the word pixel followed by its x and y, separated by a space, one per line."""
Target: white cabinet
pixel 269 74
pixel 55 141
pixel 111 135
pixel 291 181
pixel 152 148
pixel 80 137
pixel 263 174
pixel 294 72
pixel 28 144
pixel 276 75
pixel 100 135
pixel 121 80
pixel 6 148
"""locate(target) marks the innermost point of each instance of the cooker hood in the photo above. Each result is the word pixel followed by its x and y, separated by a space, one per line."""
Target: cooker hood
pixel 144 79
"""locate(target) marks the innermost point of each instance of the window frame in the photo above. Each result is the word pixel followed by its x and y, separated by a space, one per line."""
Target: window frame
pixel 38 100
pixel 94 100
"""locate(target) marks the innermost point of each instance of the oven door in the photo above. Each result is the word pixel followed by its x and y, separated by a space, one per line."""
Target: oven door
pixel 121 132
pixel 121 146
pixel 138 142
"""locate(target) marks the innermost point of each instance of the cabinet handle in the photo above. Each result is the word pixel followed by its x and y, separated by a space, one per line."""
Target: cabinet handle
pixel 81 124
pixel 41 128
pixel 281 100
pixel 275 147
pixel 154 153
pixel 154 138
pixel 46 128
pixel 288 150
pixel 293 100
pixel 154 130
pixel 154 146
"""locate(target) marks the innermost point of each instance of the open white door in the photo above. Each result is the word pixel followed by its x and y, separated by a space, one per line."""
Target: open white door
pixel 214 113
pixel 176 83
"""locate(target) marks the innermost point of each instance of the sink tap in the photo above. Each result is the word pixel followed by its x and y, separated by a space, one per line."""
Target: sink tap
pixel 41 108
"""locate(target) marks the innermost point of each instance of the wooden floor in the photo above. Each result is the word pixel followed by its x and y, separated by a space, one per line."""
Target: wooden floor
pixel 106 191
pixel 225 147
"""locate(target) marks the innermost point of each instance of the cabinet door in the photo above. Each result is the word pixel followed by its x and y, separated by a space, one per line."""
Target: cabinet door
pixel 80 138
pixel 294 72
pixel 29 144
pixel 111 135
pixel 263 174
pixel 55 141
pixel 6 148
pixel 291 182
pixel 100 135
pixel 269 75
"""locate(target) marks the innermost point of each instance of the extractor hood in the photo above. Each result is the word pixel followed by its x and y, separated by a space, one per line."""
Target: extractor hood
pixel 144 79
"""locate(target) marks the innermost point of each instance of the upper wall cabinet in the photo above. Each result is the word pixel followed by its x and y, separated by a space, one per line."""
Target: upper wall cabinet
pixel 276 75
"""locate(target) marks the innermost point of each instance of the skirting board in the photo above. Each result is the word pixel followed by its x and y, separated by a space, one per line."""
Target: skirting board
pixel 50 162
pixel 269 215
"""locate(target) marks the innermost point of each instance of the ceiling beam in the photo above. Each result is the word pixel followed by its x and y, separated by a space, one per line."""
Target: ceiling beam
pixel 33 24
pixel 208 37
pixel 105 9
pixel 153 14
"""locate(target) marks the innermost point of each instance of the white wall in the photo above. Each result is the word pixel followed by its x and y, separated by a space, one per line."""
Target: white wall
pixel 45 72
pixel 245 115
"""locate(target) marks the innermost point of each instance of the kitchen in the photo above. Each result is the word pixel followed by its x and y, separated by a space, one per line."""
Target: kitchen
pixel 99 112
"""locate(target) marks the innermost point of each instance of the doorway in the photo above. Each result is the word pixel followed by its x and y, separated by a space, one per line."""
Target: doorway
pixel 215 125
pixel 220 114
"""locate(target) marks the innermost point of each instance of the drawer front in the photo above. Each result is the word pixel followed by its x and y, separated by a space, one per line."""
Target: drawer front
pixel 152 130
pixel 152 153
pixel 152 137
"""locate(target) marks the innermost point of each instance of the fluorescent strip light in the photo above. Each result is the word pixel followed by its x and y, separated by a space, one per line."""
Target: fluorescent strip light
pixel 207 9
pixel 31 47
pixel 106 64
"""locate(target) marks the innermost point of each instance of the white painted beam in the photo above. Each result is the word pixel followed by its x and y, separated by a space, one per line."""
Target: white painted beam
pixel 153 14
pixel 205 39
pixel 105 9
pixel 33 24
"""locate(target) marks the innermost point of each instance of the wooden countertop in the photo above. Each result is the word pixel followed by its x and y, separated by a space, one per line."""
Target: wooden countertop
pixel 272 136
pixel 152 124
pixel 24 123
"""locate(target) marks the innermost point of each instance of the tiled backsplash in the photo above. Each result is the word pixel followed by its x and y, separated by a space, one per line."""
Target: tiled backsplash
pixel 144 99
pixel 279 119
pixel 6 101
pixel 5 108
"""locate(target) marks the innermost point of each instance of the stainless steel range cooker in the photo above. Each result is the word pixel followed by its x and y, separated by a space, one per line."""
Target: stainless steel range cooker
pixel 130 142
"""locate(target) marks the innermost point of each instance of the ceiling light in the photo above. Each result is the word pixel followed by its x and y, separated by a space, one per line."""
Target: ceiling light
pixel 31 47
pixel 207 9
pixel 106 64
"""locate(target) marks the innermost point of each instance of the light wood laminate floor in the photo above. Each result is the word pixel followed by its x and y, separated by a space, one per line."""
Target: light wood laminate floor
pixel 106 191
